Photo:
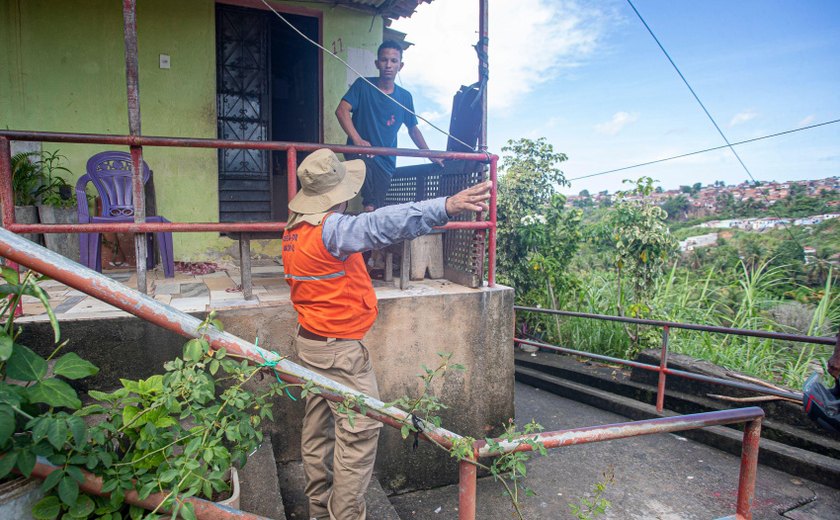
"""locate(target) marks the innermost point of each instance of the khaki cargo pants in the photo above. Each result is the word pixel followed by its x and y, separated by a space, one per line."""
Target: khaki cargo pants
pixel 337 493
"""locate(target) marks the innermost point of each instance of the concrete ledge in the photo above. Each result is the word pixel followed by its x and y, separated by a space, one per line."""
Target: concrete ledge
pixel 794 461
pixel 260 486
pixel 293 480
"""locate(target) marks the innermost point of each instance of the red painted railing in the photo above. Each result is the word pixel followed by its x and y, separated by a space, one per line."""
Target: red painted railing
pixel 7 197
pixel 57 267
pixel 662 368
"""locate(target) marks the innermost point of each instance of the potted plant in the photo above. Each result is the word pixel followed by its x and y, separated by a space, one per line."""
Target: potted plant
pixel 27 186
pixel 179 433
pixel 57 204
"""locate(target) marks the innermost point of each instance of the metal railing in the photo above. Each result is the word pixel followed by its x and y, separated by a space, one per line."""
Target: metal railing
pixel 59 268
pixel 7 196
pixel 662 368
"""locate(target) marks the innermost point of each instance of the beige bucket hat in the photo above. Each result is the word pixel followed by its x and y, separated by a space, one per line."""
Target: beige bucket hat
pixel 325 181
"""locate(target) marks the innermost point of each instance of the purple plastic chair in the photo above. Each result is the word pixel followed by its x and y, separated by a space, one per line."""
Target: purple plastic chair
pixel 110 173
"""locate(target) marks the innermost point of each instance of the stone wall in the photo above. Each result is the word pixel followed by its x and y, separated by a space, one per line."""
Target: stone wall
pixel 413 326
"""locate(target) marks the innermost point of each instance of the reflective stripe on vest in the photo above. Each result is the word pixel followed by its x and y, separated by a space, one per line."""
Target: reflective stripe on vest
pixel 311 278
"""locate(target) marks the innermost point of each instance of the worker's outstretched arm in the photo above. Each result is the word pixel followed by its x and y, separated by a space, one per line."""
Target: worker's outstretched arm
pixel 347 234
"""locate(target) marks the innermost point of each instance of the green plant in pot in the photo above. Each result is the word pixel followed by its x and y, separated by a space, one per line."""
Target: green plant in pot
pixel 176 434
pixel 57 204
pixel 27 187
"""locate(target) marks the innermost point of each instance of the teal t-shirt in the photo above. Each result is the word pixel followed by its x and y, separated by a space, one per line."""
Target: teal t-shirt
pixel 377 118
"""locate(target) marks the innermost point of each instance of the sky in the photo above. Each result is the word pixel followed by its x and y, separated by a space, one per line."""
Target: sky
pixel 588 77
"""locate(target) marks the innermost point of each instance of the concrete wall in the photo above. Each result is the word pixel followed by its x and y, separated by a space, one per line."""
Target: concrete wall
pixel 62 69
pixel 475 325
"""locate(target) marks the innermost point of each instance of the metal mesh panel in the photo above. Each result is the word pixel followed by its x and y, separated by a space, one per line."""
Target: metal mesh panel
pixel 463 250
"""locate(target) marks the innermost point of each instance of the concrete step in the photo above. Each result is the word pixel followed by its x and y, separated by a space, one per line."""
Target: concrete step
pixel 784 422
pixel 293 480
pixel 794 461
pixel 260 485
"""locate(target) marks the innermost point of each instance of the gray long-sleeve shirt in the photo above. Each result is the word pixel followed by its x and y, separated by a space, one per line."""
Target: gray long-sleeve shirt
pixel 344 235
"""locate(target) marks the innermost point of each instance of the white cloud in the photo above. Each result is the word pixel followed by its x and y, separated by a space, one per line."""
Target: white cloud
pixel 807 120
pixel 617 123
pixel 530 42
pixel 742 117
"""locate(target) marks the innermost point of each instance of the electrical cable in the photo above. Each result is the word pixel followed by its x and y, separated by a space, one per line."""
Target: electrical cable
pixel 712 119
pixel 313 42
pixel 680 156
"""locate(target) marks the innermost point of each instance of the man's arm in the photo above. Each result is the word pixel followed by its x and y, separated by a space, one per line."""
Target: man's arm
pixel 347 234
pixel 345 119
pixel 417 136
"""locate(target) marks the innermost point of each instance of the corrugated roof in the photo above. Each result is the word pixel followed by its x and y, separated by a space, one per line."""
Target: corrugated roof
pixel 387 8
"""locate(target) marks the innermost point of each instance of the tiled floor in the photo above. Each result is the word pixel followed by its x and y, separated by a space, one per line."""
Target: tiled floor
pixel 187 292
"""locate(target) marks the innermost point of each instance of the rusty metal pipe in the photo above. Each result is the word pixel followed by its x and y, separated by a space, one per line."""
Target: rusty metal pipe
pixel 112 292
pixel 197 227
pixel 491 246
pixel 92 485
pixel 749 469
pixel 467 483
pixel 622 430
pixel 132 87
pixel 7 197
pixel 196 142
pixel 291 172
pixel 663 367
pixel 819 340
pixel 670 371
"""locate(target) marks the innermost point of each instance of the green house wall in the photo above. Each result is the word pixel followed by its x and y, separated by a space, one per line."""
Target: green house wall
pixel 62 69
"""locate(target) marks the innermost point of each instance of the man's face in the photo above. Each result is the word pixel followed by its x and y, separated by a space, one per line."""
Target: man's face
pixel 389 63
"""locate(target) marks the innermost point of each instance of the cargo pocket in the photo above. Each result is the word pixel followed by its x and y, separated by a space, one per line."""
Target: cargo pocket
pixel 369 300
pixel 318 360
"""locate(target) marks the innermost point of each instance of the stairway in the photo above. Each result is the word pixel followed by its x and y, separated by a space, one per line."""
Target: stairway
pixel 798 451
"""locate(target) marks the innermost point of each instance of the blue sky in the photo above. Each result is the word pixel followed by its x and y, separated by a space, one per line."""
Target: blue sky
pixel 589 78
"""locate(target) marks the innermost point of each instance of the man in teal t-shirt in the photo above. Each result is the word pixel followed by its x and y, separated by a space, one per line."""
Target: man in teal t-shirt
pixel 370 118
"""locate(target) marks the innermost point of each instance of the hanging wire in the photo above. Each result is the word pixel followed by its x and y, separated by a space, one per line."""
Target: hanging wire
pixel 360 75
pixel 680 156
pixel 712 119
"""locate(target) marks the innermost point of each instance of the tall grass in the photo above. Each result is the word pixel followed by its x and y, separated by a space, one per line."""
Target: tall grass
pixel 744 302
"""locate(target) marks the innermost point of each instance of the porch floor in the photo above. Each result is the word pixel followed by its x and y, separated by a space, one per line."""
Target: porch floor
pixel 188 292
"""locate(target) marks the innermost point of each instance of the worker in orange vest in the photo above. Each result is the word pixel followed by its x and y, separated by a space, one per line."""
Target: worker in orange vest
pixel 336 305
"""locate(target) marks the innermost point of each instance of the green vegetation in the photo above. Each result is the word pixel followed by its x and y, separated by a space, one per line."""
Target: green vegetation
pixel 619 258
pixel 177 434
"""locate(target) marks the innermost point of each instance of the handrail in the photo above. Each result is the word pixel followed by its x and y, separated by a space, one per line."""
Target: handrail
pixel 40 259
pixel 819 340
pixel 137 142
pixel 662 368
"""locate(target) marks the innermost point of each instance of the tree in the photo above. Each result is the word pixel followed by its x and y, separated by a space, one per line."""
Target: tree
pixel 584 194
pixel 537 235
pixel 643 245
pixel 676 207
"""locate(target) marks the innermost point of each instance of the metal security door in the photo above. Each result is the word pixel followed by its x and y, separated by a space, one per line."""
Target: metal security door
pixel 243 108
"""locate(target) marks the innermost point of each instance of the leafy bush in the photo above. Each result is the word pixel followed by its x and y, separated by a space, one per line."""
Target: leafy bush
pixel 176 433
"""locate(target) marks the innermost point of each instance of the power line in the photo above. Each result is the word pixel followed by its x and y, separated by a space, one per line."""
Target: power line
pixel 680 156
pixel 360 75
pixel 709 115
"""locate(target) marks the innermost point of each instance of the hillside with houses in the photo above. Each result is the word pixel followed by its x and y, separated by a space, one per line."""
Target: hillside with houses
pixel 697 201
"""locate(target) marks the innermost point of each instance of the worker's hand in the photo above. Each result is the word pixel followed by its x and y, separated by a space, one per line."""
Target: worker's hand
pixel 361 142
pixel 470 199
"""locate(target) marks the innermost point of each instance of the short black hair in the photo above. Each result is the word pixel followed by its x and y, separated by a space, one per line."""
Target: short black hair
pixel 389 44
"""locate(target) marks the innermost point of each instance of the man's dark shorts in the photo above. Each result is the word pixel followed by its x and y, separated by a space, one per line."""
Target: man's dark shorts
pixel 377 182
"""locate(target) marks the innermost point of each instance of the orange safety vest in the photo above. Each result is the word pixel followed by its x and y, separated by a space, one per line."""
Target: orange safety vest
pixel 333 298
